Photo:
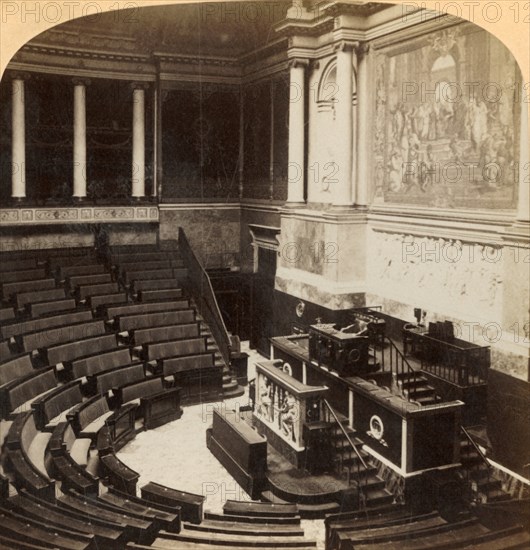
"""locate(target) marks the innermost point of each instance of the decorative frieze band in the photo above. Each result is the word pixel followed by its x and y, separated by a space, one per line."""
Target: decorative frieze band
pixel 31 216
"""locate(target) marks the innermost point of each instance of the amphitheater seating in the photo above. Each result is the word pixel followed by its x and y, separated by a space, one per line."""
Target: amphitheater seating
pixel 55 516
pixel 149 265
pixel 148 320
pixel 85 291
pixel 17 264
pixel 60 335
pixel 164 332
pixel 174 348
pixel 6 314
pixel 88 417
pixel 42 308
pixel 74 270
pixel 99 362
pixel 25 453
pixel 139 257
pixel 157 404
pixel 20 391
pixel 157 295
pixel 8 289
pixel 260 509
pixel 5 351
pixel 166 517
pixel 191 505
pixel 33 533
pixel 16 367
pixel 118 474
pixel 51 408
pixel 67 458
pixel 36 296
pixel 103 382
pixel 96 302
pixel 158 284
pixel 22 275
pixel 42 323
pixel 78 280
pixel 132 309
pixel 148 274
pixel 80 348
pixel 140 530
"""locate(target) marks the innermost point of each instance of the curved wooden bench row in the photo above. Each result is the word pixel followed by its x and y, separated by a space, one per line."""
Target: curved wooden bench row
pixel 20 391
pixel 129 267
pixel 164 333
pixel 16 367
pixel 70 351
pixel 85 291
pixel 5 351
pixel 98 362
pixel 9 289
pixel 159 284
pixel 174 348
pixel 74 281
pixel 158 404
pixel 145 296
pixel 18 527
pixel 190 505
pixel 63 272
pixel 132 309
pixel 98 301
pixel 25 448
pixel 51 408
pixel 108 380
pixel 30 326
pixel 106 535
pixel 59 335
pixel 6 314
pixel 35 296
pixel 148 320
pixel 38 309
pixel 7 264
pixel 22 275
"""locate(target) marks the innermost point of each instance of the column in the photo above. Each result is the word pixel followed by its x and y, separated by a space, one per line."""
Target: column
pixel 18 139
pixel 363 107
pixel 343 192
pixel 241 141
pixel 523 203
pixel 80 175
pixel 138 145
pixel 295 190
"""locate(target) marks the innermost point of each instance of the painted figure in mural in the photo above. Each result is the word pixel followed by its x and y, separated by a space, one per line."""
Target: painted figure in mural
pixel 479 121
pixel 427 169
pixel 288 412
pixel 266 399
pixel 395 165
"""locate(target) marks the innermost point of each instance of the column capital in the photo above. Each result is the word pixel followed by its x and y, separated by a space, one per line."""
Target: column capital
pixel 139 85
pixel 76 81
pixel 363 48
pixel 346 46
pixel 297 62
pixel 19 75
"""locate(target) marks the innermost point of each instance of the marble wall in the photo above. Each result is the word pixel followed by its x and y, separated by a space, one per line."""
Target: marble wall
pixel 213 232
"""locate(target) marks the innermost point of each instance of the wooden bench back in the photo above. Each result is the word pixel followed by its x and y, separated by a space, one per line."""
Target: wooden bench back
pixel 73 350
pixel 15 368
pixel 175 348
pixel 94 364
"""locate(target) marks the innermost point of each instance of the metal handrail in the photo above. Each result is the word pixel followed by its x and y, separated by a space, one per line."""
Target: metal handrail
pixel 394 367
pixel 204 295
pixel 362 496
pixel 479 452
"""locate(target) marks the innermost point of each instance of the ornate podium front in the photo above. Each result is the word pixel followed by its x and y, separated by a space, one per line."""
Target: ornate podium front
pixel 283 406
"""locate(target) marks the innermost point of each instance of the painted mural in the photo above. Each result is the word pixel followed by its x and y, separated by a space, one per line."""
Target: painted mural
pixel 446 121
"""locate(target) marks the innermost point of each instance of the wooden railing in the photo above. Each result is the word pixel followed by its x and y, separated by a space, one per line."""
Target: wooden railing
pixel 361 480
pixel 476 467
pixel 200 288
pixel 391 358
